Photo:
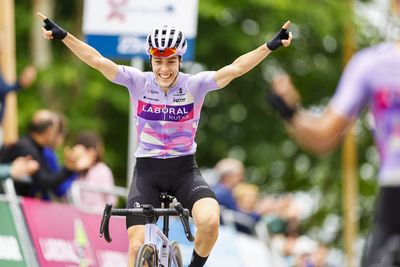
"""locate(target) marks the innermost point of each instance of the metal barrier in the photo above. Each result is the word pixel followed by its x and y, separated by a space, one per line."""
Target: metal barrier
pixel 77 188
pixel 13 201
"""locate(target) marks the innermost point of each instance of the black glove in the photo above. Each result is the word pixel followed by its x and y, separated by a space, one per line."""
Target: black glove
pixel 58 32
pixel 276 41
pixel 283 109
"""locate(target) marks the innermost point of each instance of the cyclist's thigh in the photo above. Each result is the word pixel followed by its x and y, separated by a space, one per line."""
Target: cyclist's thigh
pixel 192 187
pixel 143 191
pixel 386 225
pixel 375 245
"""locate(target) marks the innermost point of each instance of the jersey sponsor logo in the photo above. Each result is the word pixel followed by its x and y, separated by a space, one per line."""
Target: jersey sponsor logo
pixel 179 92
pixel 150 98
pixel 178 100
pixel 72 251
pixel 165 112
pixel 200 187
pixel 152 92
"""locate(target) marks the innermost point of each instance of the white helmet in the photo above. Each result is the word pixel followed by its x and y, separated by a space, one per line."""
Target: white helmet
pixel 163 38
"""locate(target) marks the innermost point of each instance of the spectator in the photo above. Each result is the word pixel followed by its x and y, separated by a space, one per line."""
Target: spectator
pixel 231 174
pixel 320 255
pixel 20 168
pixel 97 175
pixel 40 133
pixel 246 196
pixel 52 160
pixel 248 199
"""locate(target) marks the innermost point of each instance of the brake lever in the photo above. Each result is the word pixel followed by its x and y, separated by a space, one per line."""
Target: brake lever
pixel 184 217
pixel 104 226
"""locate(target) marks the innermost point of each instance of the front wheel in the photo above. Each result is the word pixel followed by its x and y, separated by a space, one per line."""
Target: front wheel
pixel 146 256
pixel 178 255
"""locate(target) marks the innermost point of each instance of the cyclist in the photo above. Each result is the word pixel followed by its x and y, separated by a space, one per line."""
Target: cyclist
pixel 371 78
pixel 167 106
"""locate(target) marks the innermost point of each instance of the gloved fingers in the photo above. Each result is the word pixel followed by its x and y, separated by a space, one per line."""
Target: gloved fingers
pixel 286 25
pixel 47 34
pixel 41 16
pixel 286 42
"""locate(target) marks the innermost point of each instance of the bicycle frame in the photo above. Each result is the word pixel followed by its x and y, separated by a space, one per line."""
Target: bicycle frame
pixel 152 232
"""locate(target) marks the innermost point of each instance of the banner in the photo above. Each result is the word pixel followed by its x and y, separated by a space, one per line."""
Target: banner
pixel 58 234
pixel 107 254
pixel 10 246
pixel 65 237
pixel 118 28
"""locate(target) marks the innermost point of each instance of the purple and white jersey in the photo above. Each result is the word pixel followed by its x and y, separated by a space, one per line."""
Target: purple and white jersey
pixel 166 123
pixel 373 77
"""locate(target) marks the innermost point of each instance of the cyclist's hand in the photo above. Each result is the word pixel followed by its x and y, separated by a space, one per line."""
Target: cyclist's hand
pixel 283 97
pixel 51 30
pixel 282 38
pixel 283 86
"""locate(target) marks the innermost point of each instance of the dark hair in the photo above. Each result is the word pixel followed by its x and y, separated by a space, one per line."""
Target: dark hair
pixel 91 140
pixel 40 126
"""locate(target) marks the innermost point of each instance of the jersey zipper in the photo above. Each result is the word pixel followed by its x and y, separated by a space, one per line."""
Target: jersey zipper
pixel 165 122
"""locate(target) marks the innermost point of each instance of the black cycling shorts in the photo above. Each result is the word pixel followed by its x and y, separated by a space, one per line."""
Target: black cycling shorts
pixel 178 176
pixel 386 226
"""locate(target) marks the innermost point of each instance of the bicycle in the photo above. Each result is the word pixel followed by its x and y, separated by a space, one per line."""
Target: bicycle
pixel 150 253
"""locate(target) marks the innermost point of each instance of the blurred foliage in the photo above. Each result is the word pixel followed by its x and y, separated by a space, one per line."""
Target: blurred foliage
pixel 235 121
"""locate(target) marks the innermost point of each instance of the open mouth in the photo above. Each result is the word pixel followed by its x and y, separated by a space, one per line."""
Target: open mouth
pixel 165 76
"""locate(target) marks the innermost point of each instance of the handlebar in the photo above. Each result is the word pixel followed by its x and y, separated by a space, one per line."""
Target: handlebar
pixel 147 211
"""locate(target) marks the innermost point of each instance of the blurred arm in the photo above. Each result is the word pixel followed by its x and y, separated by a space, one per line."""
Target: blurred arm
pixel 6 88
pixel 318 134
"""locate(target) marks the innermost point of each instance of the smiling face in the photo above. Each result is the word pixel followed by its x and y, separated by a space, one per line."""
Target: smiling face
pixel 166 70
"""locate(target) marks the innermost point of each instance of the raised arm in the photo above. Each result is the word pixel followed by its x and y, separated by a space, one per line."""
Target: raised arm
pixel 317 134
pixel 248 61
pixel 83 51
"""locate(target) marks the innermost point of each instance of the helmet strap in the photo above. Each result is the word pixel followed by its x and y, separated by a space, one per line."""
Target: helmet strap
pixel 151 66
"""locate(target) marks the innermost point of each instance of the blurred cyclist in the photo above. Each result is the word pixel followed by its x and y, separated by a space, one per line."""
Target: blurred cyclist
pixel 372 79
pixel 167 106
